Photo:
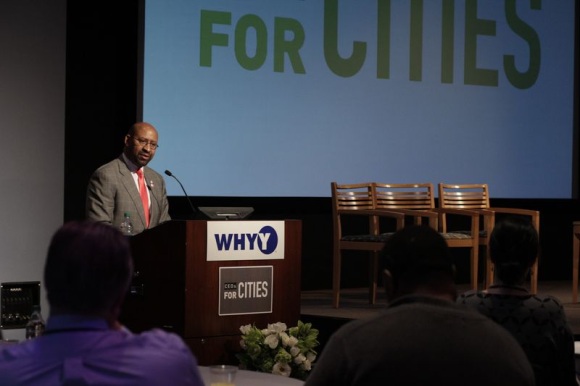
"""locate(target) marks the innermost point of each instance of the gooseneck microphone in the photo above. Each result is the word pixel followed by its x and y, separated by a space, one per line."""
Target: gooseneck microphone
pixel 184 192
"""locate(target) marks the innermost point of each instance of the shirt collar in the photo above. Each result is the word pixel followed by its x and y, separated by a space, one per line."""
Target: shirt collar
pixel 409 299
pixel 504 289
pixel 75 322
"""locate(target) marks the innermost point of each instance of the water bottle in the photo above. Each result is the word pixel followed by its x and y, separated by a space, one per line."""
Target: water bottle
pixel 35 325
pixel 127 226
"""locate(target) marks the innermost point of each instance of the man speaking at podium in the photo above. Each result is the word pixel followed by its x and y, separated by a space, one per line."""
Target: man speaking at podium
pixel 127 185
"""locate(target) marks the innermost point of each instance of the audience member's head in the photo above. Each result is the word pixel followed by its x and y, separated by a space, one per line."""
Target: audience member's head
pixel 513 249
pixel 88 270
pixel 416 260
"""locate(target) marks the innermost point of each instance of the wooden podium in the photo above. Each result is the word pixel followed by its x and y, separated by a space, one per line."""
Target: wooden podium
pixel 175 288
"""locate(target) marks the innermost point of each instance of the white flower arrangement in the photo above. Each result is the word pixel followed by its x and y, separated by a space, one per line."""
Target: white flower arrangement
pixel 278 349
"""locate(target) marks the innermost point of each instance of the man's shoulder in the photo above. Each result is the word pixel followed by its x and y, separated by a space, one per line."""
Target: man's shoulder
pixel 430 305
pixel 414 311
pixel 159 338
pixel 153 357
pixel 10 351
pixel 15 355
pixel 112 164
pixel 108 170
pixel 152 172
pixel 156 342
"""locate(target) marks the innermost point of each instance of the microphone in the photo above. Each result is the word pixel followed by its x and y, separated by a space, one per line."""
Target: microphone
pixel 184 192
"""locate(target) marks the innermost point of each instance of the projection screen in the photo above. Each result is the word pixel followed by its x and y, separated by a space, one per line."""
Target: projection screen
pixel 272 98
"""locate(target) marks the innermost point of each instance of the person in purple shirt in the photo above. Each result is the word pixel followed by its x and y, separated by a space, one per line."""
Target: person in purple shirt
pixel 87 273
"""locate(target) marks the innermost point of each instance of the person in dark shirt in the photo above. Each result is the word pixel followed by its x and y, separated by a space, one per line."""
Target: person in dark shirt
pixel 538 322
pixel 423 337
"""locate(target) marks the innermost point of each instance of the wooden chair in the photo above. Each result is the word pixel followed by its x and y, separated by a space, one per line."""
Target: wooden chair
pixel 350 201
pixel 420 198
pixel 476 197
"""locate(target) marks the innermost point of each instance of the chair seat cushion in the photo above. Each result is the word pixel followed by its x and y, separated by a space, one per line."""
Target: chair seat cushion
pixel 367 238
pixel 456 235
pixel 482 233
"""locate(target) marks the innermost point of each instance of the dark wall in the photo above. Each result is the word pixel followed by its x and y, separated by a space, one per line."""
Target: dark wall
pixel 101 103
pixel 101 86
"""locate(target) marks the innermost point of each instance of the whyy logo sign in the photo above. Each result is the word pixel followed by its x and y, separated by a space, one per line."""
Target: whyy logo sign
pixel 245 240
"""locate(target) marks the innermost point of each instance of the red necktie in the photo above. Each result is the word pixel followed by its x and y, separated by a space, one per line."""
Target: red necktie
pixel 143 194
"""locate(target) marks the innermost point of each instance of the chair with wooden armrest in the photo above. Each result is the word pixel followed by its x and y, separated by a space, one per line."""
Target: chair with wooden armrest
pixel 476 197
pixel 349 202
pixel 419 199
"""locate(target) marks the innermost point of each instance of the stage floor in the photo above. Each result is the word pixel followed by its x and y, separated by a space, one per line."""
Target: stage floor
pixel 354 304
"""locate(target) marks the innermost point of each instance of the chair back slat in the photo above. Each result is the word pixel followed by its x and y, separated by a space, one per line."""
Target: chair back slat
pixel 465 196
pixel 404 196
pixel 352 196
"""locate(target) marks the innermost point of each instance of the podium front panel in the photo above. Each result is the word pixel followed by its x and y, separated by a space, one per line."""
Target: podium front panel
pixel 175 288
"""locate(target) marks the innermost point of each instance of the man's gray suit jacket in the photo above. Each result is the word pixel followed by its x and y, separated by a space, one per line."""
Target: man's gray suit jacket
pixel 112 192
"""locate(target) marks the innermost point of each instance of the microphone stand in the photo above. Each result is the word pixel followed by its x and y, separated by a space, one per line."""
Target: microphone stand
pixel 184 192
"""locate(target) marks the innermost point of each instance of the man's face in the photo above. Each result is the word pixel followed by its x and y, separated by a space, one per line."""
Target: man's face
pixel 140 147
